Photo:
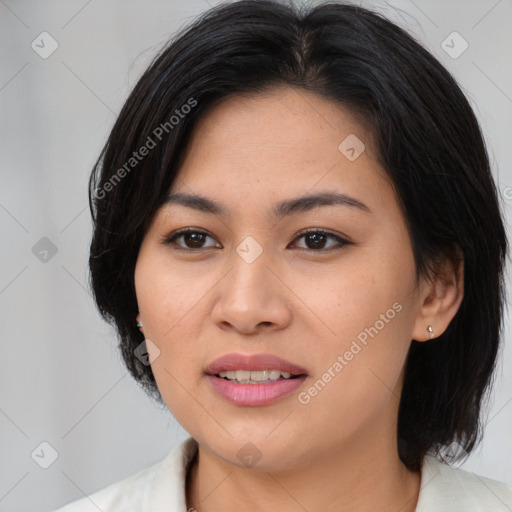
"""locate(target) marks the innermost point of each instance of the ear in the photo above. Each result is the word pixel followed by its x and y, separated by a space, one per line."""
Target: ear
pixel 440 297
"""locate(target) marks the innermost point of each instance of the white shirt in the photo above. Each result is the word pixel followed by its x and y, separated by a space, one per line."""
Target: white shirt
pixel 161 488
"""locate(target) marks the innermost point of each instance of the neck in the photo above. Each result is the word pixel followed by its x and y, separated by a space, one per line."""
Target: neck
pixel 363 475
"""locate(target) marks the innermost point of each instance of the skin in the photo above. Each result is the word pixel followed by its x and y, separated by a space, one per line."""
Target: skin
pixel 303 302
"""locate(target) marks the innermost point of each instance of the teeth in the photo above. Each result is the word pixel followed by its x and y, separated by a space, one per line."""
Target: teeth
pixel 253 377
pixel 274 374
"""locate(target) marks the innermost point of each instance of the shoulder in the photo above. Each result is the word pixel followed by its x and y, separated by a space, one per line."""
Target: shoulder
pixel 449 489
pixel 161 484
pixel 118 496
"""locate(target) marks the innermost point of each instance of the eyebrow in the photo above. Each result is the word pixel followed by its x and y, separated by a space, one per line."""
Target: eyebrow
pixel 284 208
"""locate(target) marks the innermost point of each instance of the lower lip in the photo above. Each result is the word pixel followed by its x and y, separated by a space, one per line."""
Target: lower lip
pixel 255 394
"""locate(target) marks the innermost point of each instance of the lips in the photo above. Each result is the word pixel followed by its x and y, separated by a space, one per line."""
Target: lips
pixel 253 362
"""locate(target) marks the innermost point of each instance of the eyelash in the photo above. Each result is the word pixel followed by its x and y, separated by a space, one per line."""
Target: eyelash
pixel 174 236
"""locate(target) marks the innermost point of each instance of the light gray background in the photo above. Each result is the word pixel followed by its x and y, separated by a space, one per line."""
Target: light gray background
pixel 61 377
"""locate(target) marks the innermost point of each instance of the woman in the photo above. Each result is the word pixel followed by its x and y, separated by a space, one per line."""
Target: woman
pixel 298 238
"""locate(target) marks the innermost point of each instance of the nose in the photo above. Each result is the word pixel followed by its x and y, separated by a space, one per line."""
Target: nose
pixel 252 298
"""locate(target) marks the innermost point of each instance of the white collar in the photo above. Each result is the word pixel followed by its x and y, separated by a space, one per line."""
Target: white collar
pixel 165 487
pixel 443 488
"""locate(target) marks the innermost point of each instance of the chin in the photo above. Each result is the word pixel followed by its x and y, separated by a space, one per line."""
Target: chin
pixel 256 453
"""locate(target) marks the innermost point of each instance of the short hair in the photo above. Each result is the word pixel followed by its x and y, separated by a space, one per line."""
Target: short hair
pixel 427 139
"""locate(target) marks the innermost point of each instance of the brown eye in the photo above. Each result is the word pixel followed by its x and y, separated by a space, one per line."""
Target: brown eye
pixel 192 239
pixel 316 240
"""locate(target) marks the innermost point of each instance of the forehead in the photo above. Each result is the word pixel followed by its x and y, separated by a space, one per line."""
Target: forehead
pixel 279 144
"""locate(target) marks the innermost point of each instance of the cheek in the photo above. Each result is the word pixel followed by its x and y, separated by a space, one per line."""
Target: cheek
pixel 163 302
pixel 167 298
pixel 351 297
pixel 359 361
pixel 357 381
pixel 173 327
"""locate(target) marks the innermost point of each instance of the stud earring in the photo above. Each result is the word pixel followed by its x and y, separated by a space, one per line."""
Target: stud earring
pixel 139 324
pixel 431 331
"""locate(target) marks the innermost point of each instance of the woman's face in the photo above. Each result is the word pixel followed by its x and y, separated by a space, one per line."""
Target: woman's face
pixel 341 313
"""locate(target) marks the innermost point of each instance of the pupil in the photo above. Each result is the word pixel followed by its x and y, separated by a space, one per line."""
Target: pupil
pixel 317 239
pixel 196 238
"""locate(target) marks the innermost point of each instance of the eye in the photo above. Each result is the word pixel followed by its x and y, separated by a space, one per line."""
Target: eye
pixel 315 239
pixel 194 239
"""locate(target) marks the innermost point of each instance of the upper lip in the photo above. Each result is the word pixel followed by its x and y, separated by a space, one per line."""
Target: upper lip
pixel 254 362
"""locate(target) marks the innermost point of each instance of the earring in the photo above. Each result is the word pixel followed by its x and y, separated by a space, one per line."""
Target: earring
pixel 139 324
pixel 431 331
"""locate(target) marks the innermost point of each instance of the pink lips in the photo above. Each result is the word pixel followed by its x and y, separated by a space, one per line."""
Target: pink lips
pixel 254 394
